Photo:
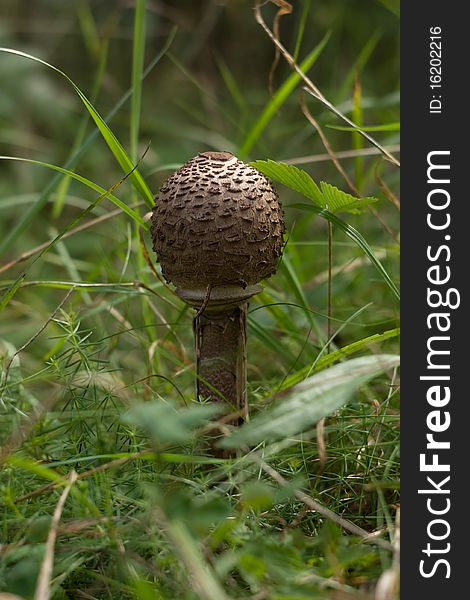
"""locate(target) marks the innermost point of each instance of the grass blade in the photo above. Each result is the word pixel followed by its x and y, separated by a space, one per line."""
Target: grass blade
pixel 301 31
pixel 357 139
pixel 129 211
pixel 295 287
pixel 137 67
pixel 278 100
pixel 29 215
pixel 19 281
pixel 109 137
pixel 270 341
pixel 395 126
pixel 357 238
pixel 332 357
pixel 232 85
pixel 63 187
pixel 358 65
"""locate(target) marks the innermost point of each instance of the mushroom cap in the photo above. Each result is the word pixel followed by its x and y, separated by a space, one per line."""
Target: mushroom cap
pixel 217 221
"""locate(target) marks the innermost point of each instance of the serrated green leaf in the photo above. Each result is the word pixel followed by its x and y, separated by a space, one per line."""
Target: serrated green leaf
pixel 301 182
pixel 339 201
pixel 328 197
pixel 309 401
pixel 293 177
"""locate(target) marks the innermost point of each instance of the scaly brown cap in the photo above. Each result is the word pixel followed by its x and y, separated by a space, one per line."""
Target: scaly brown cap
pixel 217 221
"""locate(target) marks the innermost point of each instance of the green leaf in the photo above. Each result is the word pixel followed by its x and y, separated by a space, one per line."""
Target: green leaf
pixel 294 178
pixel 328 197
pixel 308 402
pixel 337 200
pixel 167 424
pixel 257 495
pixel 301 182
pixel 21 576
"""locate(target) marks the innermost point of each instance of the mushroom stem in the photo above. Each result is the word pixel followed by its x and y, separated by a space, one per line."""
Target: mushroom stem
pixel 220 338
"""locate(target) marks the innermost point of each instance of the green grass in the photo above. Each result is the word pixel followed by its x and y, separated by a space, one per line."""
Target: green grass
pixel 97 367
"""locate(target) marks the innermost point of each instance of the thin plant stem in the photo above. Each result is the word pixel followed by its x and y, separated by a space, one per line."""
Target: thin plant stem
pixel 330 292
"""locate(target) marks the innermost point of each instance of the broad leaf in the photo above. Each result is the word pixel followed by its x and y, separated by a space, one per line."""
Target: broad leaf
pixel 308 402
pixel 328 197
pixel 168 424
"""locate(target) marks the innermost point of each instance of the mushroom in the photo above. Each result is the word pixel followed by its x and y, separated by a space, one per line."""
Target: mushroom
pixel 217 230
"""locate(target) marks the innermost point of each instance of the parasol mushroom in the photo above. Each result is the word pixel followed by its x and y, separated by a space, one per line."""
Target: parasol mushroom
pixel 217 230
